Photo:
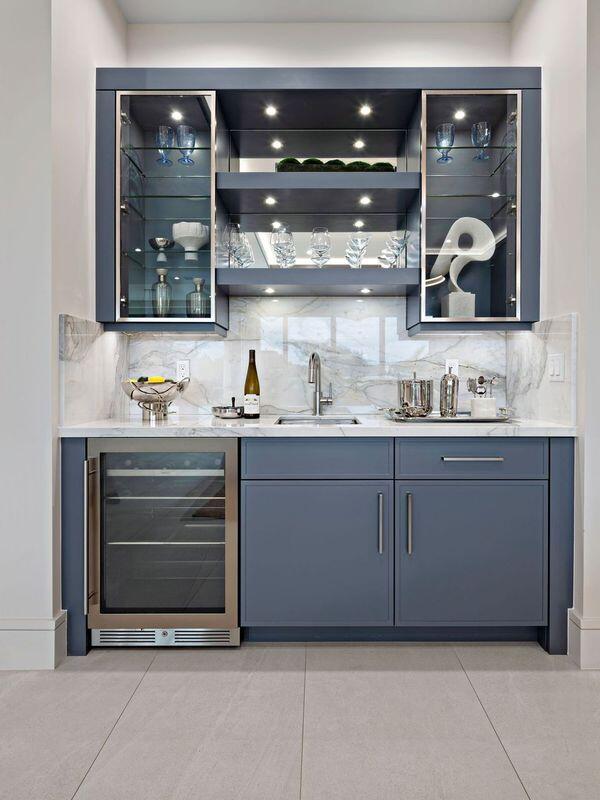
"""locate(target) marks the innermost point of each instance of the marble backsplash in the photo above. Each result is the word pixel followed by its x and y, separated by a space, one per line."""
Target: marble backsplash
pixel 531 391
pixel 364 350
pixel 363 345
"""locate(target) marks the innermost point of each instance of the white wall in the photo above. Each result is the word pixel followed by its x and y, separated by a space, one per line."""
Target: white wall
pixel 266 44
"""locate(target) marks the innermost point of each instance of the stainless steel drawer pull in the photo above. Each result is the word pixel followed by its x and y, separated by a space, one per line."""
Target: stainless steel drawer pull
pixel 409 523
pixel 472 458
pixel 380 522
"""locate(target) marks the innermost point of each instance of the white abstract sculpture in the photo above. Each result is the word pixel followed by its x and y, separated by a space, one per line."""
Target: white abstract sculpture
pixel 452 259
pixel 191 236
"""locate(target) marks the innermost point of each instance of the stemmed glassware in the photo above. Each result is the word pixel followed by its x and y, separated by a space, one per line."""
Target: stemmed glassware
pixel 282 242
pixel 236 243
pixel 444 140
pixel 481 135
pixel 186 141
pixel 165 138
pixel 320 247
pixel 395 245
pixel 356 249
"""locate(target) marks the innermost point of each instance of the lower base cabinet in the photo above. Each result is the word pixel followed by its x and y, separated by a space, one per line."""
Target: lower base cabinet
pixel 317 553
pixel 471 552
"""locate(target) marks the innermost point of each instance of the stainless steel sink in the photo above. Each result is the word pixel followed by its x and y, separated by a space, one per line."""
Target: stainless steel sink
pixel 305 419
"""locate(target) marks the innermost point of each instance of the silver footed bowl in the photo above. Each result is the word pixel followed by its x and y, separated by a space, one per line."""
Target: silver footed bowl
pixel 150 395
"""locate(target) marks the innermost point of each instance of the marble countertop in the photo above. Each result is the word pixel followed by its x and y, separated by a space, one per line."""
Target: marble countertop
pixel 376 425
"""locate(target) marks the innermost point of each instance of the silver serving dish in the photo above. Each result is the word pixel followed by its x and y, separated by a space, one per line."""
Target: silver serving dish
pixel 228 412
pixel 397 415
pixel 415 397
pixel 154 398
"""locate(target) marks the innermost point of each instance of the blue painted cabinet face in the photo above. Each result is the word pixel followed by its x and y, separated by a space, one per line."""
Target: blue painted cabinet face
pixel 317 553
pixel 471 552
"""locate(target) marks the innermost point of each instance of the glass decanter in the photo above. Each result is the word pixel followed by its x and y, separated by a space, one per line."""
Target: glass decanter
pixel 161 294
pixel 197 301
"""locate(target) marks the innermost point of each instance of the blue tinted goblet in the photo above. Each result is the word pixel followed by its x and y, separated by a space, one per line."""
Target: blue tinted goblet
pixel 444 139
pixel 186 140
pixel 481 135
pixel 165 137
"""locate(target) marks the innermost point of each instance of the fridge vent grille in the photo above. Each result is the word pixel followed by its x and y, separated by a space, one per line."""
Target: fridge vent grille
pixel 165 637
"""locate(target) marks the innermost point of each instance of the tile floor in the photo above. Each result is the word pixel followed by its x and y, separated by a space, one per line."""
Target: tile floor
pixel 401 722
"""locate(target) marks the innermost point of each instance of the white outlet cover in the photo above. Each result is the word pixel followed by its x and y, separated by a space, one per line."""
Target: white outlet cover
pixel 183 369
pixel 556 367
pixel 454 364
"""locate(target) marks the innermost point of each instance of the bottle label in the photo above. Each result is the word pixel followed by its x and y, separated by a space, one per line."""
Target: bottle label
pixel 251 404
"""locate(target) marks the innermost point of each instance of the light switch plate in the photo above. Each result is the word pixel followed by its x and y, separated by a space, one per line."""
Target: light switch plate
pixel 183 369
pixel 556 367
pixel 454 363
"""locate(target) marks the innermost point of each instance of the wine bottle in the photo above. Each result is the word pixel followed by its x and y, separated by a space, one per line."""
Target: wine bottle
pixel 252 389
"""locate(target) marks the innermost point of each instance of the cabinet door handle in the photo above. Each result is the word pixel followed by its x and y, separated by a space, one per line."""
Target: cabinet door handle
pixel 472 458
pixel 380 523
pixel 87 474
pixel 409 523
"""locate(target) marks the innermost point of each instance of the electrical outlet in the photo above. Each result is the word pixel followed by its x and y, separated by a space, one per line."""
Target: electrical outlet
pixel 556 367
pixel 452 363
pixel 183 369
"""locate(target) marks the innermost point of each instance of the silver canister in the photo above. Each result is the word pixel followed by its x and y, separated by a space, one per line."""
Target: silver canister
pixel 415 397
pixel 449 394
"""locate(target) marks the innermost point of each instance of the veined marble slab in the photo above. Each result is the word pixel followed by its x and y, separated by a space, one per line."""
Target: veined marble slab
pixel 203 426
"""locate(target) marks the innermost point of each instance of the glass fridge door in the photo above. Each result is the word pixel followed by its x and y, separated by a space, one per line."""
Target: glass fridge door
pixel 165 208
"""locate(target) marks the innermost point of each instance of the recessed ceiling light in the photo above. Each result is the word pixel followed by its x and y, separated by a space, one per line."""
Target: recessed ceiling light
pixel 138 249
pixel 358 223
pixel 460 114
pixel 269 290
pixel 271 111
pixel 176 115
pixel 270 201
pixel 276 224
pixel 495 194
pixel 358 144
pixel 365 291
pixel 276 144
pixel 365 200
pixel 365 110
pixel 176 277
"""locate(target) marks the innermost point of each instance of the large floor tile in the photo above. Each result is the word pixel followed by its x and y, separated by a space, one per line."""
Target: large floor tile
pixel 54 723
pixel 528 693
pixel 398 721
pixel 220 724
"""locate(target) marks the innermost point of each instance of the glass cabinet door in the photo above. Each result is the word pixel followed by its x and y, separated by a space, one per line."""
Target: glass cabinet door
pixel 470 257
pixel 165 208
pixel 166 539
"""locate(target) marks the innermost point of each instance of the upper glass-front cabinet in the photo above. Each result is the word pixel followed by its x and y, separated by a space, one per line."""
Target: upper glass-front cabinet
pixel 165 214
pixel 471 206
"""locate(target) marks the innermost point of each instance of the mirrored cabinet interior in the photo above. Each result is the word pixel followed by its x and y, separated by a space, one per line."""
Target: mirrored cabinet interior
pixel 165 213
pixel 470 253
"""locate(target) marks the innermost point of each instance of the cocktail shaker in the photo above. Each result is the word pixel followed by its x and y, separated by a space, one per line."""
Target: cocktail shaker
pixel 415 396
pixel 449 394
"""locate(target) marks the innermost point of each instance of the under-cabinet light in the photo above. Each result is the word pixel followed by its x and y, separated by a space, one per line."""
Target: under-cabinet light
pixel 358 223
pixel 270 201
pixel 365 110
pixel 460 114
pixel 271 111
pixel 138 249
pixel 495 194
pixel 358 144
pixel 365 200
pixel 276 144
pixel 276 224
pixel 365 291
pixel 269 290
pixel 176 115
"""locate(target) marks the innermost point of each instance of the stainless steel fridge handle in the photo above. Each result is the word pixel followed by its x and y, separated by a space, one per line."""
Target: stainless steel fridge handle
pixel 409 523
pixel 380 523
pixel 87 473
pixel 472 458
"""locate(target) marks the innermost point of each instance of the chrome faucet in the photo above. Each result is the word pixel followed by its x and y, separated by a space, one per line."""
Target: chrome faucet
pixel 314 376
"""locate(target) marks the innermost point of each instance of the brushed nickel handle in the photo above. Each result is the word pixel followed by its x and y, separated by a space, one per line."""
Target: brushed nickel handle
pixel 409 523
pixel 472 458
pixel 87 474
pixel 380 523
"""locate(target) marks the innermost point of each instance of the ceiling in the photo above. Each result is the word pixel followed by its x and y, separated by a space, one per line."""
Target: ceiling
pixel 185 11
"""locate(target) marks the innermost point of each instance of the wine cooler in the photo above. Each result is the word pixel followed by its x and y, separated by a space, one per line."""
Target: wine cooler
pixel 162 542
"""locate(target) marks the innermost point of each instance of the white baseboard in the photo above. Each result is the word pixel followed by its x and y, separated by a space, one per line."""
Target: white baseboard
pixel 584 641
pixel 33 643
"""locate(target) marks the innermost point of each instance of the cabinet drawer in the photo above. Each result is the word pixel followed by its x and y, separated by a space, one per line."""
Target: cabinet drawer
pixel 320 458
pixel 472 458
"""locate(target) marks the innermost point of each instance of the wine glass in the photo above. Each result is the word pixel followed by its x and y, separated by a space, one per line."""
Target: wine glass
pixel 165 137
pixel 356 249
pixel 320 246
pixel 186 140
pixel 444 139
pixel 232 237
pixel 282 242
pixel 481 135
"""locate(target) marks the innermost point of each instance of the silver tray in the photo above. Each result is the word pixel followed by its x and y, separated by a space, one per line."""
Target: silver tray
pixel 397 416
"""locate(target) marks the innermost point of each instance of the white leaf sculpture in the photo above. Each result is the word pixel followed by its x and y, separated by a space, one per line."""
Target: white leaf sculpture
pixel 453 259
